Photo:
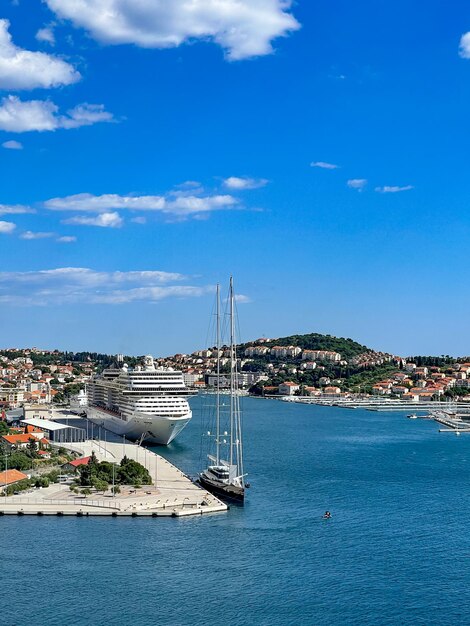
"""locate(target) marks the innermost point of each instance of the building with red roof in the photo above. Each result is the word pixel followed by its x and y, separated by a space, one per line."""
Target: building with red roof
pixel 10 477
pixel 76 463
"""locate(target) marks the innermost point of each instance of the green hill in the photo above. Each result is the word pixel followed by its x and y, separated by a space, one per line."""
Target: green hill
pixel 314 341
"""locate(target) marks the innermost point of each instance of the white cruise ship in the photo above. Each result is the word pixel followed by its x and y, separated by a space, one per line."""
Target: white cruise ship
pixel 147 402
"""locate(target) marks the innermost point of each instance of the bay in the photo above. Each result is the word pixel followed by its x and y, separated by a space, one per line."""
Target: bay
pixel 396 550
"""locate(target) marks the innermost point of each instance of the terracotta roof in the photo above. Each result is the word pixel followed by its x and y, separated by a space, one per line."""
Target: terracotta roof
pixel 32 429
pixel 23 438
pixel 11 476
pixel 77 462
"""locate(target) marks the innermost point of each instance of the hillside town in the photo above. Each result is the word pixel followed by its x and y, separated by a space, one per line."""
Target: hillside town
pixel 267 367
pixel 33 376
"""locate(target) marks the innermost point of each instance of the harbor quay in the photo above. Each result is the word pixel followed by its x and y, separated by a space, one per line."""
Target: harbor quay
pixel 172 493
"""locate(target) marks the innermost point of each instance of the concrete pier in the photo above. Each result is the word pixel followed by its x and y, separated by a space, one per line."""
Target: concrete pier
pixel 452 421
pixel 172 493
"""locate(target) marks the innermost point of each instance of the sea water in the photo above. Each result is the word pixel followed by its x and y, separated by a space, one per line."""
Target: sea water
pixel 395 551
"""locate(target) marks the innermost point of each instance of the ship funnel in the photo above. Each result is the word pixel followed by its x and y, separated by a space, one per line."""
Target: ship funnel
pixel 120 358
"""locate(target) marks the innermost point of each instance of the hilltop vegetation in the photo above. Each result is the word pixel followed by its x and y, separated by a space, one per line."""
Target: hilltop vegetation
pixel 348 348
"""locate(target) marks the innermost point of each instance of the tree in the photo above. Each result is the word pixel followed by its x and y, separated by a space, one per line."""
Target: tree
pixel 130 473
pixel 100 485
pixel 32 445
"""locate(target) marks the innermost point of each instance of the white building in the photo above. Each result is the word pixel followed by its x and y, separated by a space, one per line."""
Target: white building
pixel 257 351
pixel 190 379
pixel 320 355
pixel 288 388
pixel 11 396
pixel 285 351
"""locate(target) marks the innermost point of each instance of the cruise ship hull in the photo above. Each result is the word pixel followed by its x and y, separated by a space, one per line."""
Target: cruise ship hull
pixel 157 430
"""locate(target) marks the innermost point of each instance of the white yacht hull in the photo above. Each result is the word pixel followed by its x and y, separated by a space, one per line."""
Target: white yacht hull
pixel 158 430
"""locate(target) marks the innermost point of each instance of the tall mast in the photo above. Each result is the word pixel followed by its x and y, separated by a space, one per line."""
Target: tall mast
pixel 232 369
pixel 217 436
pixel 235 414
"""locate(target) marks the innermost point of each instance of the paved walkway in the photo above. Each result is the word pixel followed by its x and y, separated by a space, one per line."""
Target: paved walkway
pixel 172 492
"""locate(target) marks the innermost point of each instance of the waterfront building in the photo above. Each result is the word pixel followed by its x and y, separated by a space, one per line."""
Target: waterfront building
pixel 190 378
pixel 383 388
pixel 410 397
pixel 288 388
pixel 312 391
pixel 244 379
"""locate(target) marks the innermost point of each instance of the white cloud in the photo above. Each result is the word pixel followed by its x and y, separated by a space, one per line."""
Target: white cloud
pixel 23 69
pixel 20 116
pixel 464 49
pixel 139 220
pixel 241 299
pixel 105 220
pixel 12 145
pixel 16 209
pixel 357 183
pixel 66 239
pixel 6 228
pixel 323 165
pixel 30 235
pixel 241 183
pixel 180 204
pixel 85 115
pixel 46 34
pixel 151 294
pixel 71 285
pixel 393 189
pixel 244 28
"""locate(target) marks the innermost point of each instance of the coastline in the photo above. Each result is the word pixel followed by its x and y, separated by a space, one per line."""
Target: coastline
pixel 173 494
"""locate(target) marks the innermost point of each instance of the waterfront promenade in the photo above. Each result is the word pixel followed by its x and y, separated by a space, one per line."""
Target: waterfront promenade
pixel 378 404
pixel 171 494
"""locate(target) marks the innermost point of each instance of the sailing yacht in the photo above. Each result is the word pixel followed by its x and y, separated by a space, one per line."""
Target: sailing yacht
pixel 225 478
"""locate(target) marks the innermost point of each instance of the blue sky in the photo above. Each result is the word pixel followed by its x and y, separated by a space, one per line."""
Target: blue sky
pixel 147 153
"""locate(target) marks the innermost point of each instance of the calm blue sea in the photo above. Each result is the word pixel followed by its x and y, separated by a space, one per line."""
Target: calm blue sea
pixel 396 551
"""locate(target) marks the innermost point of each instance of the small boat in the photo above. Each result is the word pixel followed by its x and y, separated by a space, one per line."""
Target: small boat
pixel 412 416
